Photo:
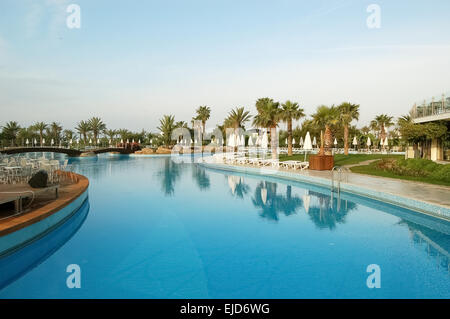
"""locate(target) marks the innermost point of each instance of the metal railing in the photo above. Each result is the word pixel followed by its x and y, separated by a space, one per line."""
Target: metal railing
pixel 434 106
pixel 340 170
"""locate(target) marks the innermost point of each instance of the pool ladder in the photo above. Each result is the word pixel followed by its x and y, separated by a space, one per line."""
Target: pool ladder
pixel 339 170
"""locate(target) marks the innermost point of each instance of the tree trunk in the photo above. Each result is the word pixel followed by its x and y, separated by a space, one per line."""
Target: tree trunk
pixel 274 142
pixel 289 128
pixel 382 135
pixel 321 151
pixel 346 139
pixel 328 140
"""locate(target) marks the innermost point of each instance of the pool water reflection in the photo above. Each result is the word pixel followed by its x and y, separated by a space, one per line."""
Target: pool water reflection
pixel 159 228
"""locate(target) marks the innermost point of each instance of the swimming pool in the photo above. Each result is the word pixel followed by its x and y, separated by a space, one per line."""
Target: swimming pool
pixel 155 228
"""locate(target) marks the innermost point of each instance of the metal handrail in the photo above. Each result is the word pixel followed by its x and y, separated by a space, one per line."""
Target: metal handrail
pixel 339 169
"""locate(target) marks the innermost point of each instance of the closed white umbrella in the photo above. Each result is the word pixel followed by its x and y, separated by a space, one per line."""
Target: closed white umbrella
pixel 139 141
pixel 369 142
pixel 335 141
pixel 43 141
pixel 306 202
pixel 35 141
pixel 264 141
pixel 121 140
pixel 52 142
pixel 232 183
pixel 307 146
pixel 98 141
pixel 386 142
pixel 27 142
pixel 355 142
pixel 264 195
pixel 293 141
pixel 301 141
pixel 314 141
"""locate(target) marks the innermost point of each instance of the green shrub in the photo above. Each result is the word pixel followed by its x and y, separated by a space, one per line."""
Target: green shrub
pixel 415 168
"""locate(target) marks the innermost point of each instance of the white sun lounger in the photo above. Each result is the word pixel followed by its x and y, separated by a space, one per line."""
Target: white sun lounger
pixel 295 165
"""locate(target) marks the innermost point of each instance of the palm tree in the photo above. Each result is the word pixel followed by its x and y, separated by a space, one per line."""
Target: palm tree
pixel 181 124
pixel 381 122
pixel 203 114
pixel 40 127
pixel 347 113
pixel 269 114
pixel 291 111
pixel 54 131
pixel 111 134
pixel 123 133
pixel 167 125
pixel 325 117
pixel 237 118
pixel 68 135
pixel 10 131
pixel 83 128
pixel 97 126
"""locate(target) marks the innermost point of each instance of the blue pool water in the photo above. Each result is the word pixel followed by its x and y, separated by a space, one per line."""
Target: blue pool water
pixel 154 228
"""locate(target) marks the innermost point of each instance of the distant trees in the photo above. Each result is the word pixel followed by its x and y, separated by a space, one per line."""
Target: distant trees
pixel 167 126
pixel 347 113
pixel 326 117
pixel 83 129
pixel 97 126
pixel 237 118
pixel 203 114
pixel 380 123
pixel 10 131
pixel 290 111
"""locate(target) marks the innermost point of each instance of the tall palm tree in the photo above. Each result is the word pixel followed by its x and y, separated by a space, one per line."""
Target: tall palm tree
pixel 40 127
pixel 203 114
pixel 167 125
pixel 291 111
pixel 269 114
pixel 381 122
pixel 97 126
pixel 237 117
pixel 347 113
pixel 83 128
pixel 325 117
pixel 10 131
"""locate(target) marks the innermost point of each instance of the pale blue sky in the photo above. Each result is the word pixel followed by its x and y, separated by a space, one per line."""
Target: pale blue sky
pixel 133 61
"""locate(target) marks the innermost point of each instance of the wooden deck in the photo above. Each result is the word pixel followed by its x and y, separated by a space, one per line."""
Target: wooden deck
pixel 41 210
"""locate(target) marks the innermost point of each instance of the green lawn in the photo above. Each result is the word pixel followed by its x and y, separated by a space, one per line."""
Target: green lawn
pixel 372 169
pixel 341 159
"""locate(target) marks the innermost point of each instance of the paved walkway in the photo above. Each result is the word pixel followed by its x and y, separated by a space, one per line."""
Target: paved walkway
pixel 434 194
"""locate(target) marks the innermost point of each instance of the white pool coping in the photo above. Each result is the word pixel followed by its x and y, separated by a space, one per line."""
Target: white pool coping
pixel 432 209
